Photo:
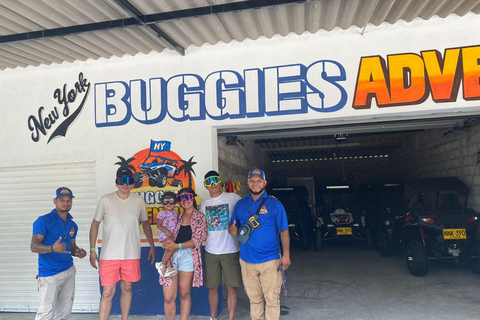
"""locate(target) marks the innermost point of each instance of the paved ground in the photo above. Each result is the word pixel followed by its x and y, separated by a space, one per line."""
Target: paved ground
pixel 346 282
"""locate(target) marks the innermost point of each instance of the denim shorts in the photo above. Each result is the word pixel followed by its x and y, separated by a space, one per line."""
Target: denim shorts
pixel 183 260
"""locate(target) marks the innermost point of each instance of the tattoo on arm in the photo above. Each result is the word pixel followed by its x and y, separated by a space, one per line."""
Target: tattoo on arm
pixel 38 247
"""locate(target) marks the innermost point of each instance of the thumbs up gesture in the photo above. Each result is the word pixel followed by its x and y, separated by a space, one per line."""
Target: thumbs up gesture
pixel 233 229
pixel 60 247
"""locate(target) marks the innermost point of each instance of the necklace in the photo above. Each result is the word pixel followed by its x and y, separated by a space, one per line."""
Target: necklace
pixel 61 225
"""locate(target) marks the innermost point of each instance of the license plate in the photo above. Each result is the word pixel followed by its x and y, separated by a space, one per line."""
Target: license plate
pixel 344 231
pixel 452 234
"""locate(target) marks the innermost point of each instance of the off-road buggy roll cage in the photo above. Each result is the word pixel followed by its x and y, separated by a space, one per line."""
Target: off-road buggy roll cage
pixel 438 224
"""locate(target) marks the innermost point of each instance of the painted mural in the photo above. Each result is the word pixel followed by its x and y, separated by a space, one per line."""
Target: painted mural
pixel 156 170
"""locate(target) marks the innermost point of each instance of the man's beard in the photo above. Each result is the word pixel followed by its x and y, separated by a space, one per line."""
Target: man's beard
pixel 257 193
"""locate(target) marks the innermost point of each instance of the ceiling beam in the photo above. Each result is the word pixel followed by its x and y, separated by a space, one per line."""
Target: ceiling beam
pixel 149 19
pixel 138 15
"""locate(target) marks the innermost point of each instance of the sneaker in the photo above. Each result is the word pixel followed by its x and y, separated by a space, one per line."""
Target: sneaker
pixel 161 268
pixel 214 318
pixel 170 272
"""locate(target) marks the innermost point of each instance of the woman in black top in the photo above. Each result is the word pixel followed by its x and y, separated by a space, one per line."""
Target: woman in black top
pixel 189 234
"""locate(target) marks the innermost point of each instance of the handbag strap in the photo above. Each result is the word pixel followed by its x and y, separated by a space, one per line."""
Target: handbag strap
pixel 259 207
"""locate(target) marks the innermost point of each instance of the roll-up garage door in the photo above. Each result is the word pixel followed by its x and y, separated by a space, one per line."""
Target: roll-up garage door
pixel 25 194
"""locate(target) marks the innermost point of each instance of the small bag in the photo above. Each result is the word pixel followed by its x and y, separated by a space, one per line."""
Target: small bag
pixel 247 229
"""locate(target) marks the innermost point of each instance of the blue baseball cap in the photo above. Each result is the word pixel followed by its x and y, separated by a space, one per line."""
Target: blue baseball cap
pixel 256 172
pixel 63 191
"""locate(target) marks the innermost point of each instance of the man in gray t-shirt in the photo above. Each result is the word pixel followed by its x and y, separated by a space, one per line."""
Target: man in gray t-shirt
pixel 119 260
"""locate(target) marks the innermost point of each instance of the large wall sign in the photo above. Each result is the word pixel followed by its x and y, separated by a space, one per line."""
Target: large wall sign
pixel 224 94
pixel 408 78
pixel 41 123
pixel 404 79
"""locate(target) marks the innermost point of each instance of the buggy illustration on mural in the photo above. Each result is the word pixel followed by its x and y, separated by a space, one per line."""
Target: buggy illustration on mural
pixel 157 170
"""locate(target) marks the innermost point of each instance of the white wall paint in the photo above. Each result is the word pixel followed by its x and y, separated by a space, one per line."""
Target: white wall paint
pixel 23 91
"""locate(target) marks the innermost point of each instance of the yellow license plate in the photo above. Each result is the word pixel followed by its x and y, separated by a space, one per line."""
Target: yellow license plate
pixel 451 234
pixel 344 231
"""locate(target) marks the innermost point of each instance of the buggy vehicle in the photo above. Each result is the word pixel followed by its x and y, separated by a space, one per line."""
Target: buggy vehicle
pixel 299 213
pixel 339 216
pixel 386 208
pixel 438 225
pixel 157 170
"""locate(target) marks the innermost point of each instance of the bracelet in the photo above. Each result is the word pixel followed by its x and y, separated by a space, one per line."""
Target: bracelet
pixel 179 246
pixel 52 248
pixel 92 249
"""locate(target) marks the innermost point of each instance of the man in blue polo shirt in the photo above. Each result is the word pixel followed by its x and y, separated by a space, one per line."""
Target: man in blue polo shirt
pixel 54 240
pixel 260 257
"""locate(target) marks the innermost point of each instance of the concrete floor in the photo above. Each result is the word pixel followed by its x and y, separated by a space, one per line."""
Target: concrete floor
pixel 346 282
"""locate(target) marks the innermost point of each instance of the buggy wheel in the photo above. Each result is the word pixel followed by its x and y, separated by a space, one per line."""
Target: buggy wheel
pixel 137 180
pixel 152 182
pixel 384 244
pixel 318 240
pixel 368 239
pixel 417 259
pixel 177 183
pixel 305 240
pixel 161 181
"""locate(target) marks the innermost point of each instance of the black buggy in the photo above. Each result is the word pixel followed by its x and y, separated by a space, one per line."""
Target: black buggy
pixel 299 213
pixel 339 216
pixel 438 224
pixel 386 208
pixel 158 170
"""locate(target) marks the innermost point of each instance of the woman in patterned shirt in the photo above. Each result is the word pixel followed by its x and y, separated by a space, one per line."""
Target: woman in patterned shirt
pixel 189 234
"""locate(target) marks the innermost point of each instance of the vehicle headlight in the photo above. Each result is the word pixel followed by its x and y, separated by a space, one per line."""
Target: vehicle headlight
pixel 330 225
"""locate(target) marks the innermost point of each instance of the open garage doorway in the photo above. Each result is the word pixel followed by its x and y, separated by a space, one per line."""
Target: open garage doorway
pixel 355 154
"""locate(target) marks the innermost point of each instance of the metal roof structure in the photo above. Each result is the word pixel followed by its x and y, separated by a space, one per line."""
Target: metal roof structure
pixel 36 32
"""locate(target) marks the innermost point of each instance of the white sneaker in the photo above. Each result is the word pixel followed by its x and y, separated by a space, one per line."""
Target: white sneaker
pixel 160 269
pixel 170 272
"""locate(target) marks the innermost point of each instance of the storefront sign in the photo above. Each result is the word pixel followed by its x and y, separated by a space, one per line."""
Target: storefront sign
pixel 64 97
pixel 400 79
pixel 225 94
pixel 411 78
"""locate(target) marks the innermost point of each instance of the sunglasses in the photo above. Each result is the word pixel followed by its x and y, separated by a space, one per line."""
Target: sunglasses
pixel 186 197
pixel 216 180
pixel 124 180
pixel 168 201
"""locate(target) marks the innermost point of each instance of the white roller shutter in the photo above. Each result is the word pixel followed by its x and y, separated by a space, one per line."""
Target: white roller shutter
pixel 25 194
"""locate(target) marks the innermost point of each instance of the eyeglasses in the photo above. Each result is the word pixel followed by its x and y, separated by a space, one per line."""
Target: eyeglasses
pixel 186 197
pixel 124 180
pixel 216 180
pixel 168 201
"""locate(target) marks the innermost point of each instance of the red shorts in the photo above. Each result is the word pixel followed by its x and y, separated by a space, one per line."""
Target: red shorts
pixel 111 271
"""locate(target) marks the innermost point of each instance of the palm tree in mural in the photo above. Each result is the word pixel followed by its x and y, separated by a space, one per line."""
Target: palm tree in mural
pixel 187 168
pixel 125 164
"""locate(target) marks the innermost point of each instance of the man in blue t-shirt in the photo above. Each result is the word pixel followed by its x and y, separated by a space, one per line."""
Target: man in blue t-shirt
pixel 260 257
pixel 54 240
